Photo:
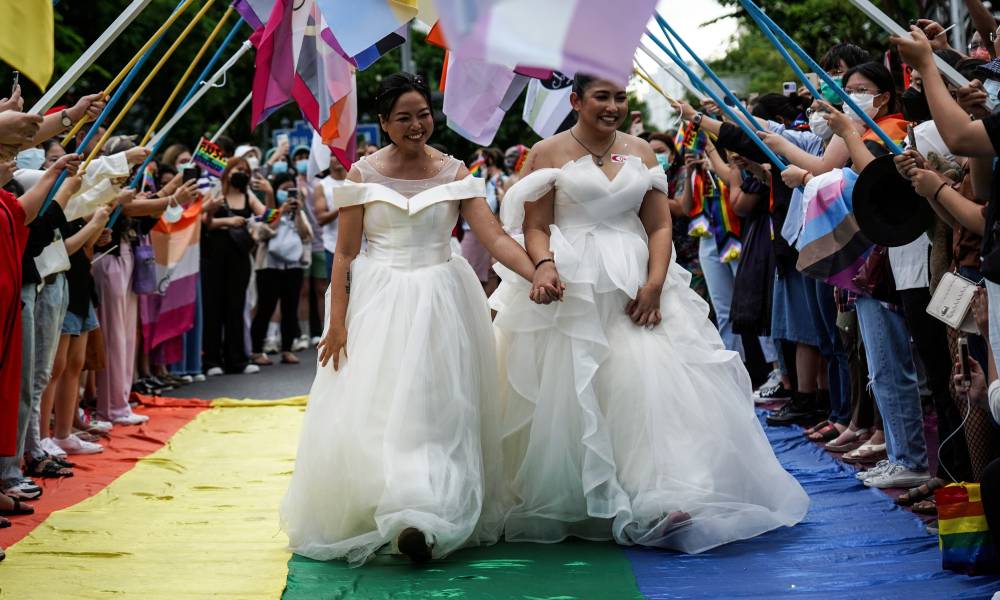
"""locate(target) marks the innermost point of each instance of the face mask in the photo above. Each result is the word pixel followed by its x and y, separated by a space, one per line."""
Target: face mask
pixel 239 180
pixel 173 213
pixel 302 166
pixel 915 106
pixel 663 159
pixel 981 54
pixel 992 88
pixel 32 158
pixel 828 94
pixel 819 126
pixel 281 196
pixel 279 168
pixel 253 162
pixel 866 102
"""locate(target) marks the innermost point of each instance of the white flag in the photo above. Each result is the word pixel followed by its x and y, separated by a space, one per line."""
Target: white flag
pixel 546 105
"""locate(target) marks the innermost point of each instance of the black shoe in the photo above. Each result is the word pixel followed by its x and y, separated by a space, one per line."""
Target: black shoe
pixel 412 543
pixel 800 410
pixel 158 384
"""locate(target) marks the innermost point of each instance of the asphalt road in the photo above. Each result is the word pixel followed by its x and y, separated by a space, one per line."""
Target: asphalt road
pixel 272 383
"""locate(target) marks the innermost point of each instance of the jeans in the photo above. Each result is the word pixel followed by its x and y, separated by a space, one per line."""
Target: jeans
pixel 720 278
pixel 833 350
pixel 10 466
pixel 191 342
pixel 50 310
pixel 894 380
pixel 993 294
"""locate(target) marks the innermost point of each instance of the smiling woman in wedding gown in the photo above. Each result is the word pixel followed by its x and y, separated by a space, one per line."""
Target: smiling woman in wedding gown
pixel 625 417
pixel 400 442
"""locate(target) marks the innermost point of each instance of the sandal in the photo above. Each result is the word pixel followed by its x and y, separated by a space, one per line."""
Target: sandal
pixel 826 434
pixel 48 468
pixel 261 360
pixel 925 507
pixel 4 524
pixel 61 461
pixel 854 439
pixel 866 453
pixel 19 508
pixel 816 428
pixel 289 359
pixel 912 496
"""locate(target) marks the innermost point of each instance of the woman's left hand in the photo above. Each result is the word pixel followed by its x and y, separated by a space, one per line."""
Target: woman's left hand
pixel 926 182
pixel 546 287
pixel 645 309
pixel 839 123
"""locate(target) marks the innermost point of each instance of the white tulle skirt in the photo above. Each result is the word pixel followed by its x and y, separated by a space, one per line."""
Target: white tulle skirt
pixel 613 431
pixel 394 439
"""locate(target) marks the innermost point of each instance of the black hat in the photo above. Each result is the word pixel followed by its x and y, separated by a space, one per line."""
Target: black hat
pixel 888 210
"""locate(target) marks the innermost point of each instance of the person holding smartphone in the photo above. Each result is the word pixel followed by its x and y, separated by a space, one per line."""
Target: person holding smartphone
pixel 283 247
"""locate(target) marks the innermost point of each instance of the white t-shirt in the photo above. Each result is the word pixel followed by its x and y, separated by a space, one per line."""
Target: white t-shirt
pixel 909 264
pixel 330 229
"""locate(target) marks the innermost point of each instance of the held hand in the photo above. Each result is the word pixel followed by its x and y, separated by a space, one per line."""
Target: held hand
pixel 915 49
pixel 972 98
pixel 839 123
pixel 331 346
pixel 978 390
pixel 926 182
pixel 260 184
pixel 794 176
pixel 645 309
pixel 18 128
pixel 15 102
pixel 186 192
pixel 546 286
pixel 907 162
pixel 289 207
pixel 88 106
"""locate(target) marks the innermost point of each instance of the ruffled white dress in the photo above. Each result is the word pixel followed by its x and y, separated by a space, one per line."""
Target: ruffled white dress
pixel 393 440
pixel 611 430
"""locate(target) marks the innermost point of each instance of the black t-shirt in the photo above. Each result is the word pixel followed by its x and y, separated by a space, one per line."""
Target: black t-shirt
pixel 41 233
pixel 79 278
pixel 991 239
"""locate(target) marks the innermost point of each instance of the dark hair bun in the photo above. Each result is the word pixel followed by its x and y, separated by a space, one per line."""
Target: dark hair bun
pixel 394 86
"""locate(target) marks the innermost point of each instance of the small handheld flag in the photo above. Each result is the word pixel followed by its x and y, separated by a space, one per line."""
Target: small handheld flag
pixel 209 156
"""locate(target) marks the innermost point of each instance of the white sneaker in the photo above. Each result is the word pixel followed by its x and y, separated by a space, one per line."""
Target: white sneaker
pixel 199 377
pixel 315 341
pixel 897 476
pixel 132 419
pixel 186 378
pixel 214 372
pixel 271 345
pixel 49 446
pixel 74 445
pixel 99 426
pixel 24 489
pixel 251 369
pixel 879 467
pixel 300 343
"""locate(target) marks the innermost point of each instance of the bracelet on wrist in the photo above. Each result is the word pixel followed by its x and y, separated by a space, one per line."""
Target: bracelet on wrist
pixel 940 187
pixel 545 260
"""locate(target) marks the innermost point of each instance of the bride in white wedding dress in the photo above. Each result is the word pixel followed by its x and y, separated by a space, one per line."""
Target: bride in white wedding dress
pixel 400 441
pixel 624 416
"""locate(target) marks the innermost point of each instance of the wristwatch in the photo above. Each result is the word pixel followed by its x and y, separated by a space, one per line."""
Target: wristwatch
pixel 66 121
pixel 696 121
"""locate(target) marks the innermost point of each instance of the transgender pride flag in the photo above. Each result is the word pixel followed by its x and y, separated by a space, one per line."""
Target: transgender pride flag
pixel 594 37
pixel 169 313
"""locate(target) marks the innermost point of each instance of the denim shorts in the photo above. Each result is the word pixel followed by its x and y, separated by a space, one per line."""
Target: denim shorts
pixel 74 325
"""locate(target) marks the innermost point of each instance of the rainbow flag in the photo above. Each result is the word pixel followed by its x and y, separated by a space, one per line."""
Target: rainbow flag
pixel 169 313
pixel 691 140
pixel 478 167
pixel 209 157
pixel 963 534
pixel 148 180
pixel 712 215
pixel 269 216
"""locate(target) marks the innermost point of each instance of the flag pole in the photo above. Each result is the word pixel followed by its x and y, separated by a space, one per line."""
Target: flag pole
pixel 184 77
pixel 90 55
pixel 232 117
pixel 663 66
pixel 140 57
pixel 145 83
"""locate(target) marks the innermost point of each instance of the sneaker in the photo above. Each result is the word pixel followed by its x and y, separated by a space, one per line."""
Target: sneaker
pixel 797 411
pixel 897 476
pixel 879 467
pixel 300 343
pixel 214 372
pixel 772 390
pixel 271 345
pixel 132 419
pixel 98 426
pixel 186 379
pixel 50 447
pixel 74 445
pixel 24 489
pixel 199 377
pixel 251 369
pixel 315 340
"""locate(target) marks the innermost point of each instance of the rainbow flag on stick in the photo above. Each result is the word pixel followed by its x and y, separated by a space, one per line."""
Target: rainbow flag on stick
pixel 209 157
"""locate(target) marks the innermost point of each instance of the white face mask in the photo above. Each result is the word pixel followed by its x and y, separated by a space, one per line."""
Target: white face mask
pixel 819 126
pixel 253 162
pixel 173 213
pixel 32 158
pixel 865 102
pixel 992 88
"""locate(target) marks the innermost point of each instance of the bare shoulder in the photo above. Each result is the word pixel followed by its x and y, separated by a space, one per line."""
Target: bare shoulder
pixel 355 174
pixel 547 153
pixel 637 146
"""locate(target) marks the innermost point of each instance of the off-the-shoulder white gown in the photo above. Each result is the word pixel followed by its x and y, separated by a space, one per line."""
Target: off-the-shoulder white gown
pixel 613 431
pixel 397 437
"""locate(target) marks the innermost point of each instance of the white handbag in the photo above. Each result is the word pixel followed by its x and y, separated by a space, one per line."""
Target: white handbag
pixel 53 258
pixel 952 303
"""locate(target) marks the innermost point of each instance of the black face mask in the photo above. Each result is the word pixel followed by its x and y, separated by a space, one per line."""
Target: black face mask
pixel 915 106
pixel 239 180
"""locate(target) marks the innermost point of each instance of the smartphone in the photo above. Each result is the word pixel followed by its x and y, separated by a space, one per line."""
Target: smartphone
pixel 789 88
pixel 17 80
pixel 963 358
pixel 293 193
pixel 190 173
